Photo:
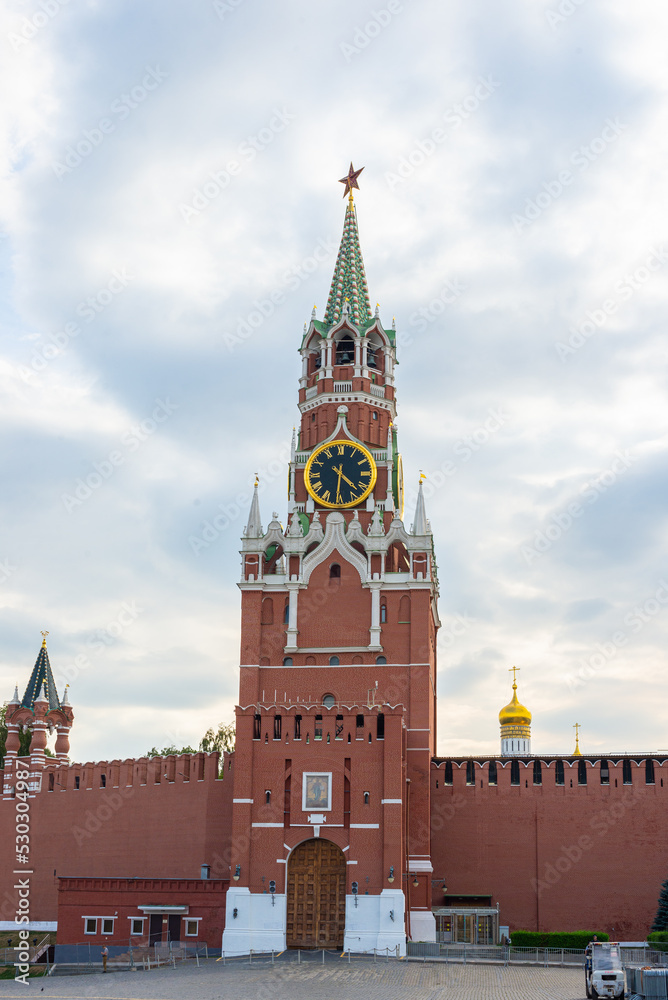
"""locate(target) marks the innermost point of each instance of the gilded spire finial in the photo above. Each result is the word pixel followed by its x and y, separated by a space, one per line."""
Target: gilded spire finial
pixel 513 671
pixel 44 635
pixel 577 752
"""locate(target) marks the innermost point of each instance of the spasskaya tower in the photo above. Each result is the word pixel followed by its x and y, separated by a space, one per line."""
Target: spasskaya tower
pixel 337 695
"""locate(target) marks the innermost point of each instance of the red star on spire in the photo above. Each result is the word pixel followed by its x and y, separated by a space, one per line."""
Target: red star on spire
pixel 351 180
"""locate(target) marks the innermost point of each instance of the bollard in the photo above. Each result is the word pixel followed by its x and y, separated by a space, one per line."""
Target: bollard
pixel 299 957
pixel 323 956
pixel 374 956
pixel 348 956
pixel 223 958
pixel 250 956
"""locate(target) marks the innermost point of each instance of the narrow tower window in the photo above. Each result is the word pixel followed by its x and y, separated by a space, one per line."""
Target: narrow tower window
pixel 537 773
pixel 333 661
pixel 366 798
pixel 470 776
pixel 559 772
pixel 380 726
pixel 277 727
pixel 447 779
pixel 383 613
pixel 582 772
pixel 627 776
pixel 335 572
pixel 298 727
pixel 605 773
pixel 257 719
pixel 491 780
pixel 514 772
pixel 649 772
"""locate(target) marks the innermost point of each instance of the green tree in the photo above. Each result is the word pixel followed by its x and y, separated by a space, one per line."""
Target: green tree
pixel 661 918
pixel 220 739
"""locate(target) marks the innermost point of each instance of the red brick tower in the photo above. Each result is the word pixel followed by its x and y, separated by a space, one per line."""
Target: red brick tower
pixel 337 703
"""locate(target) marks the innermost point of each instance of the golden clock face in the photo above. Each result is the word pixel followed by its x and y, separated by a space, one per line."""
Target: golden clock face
pixel 340 474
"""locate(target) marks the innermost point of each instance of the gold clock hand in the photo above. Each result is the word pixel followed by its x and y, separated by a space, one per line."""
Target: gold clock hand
pixel 342 476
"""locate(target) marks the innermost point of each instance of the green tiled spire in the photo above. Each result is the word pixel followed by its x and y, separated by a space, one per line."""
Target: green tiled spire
pixel 349 281
pixel 41 674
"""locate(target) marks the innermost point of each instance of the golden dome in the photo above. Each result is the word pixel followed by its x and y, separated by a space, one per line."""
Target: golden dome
pixel 515 714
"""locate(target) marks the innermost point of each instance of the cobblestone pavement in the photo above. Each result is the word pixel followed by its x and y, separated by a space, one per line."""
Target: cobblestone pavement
pixel 361 980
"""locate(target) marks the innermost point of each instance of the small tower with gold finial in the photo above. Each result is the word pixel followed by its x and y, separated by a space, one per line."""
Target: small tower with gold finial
pixel 515 722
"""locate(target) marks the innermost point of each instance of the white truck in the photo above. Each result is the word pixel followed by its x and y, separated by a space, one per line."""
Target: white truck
pixel 604 975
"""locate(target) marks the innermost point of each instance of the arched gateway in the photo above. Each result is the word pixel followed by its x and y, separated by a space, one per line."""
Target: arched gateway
pixel 316 903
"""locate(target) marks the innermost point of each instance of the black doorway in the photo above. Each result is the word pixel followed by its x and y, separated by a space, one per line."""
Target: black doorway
pixel 174 927
pixel 155 928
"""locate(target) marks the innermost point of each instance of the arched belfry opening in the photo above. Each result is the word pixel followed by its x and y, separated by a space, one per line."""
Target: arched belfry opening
pixel 316 895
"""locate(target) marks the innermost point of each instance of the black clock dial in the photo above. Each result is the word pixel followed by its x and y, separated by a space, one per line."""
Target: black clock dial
pixel 340 474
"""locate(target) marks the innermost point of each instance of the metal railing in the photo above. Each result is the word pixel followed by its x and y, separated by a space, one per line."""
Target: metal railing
pixel 86 956
pixel 8 955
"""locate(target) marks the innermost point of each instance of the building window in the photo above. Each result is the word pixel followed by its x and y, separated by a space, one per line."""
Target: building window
pixel 491 778
pixel 375 415
pixel 90 926
pixel 328 700
pixel 514 772
pixel 380 726
pixel 359 722
pixel 381 660
pixel 447 780
pixel 627 776
pixel 136 926
pixel 582 772
pixel 537 773
pixel 298 727
pixel 333 661
pixel 103 781
pixel 470 777
pixel 77 781
pixel 287 661
pixel 51 781
pixel 277 727
pixel 318 727
pixel 605 773
pixel 335 572
pixel 286 613
pixel 107 925
pixel 338 732
pixel 257 722
pixel 383 614
pixel 191 928
pixel 559 772
pixel 366 798
pixel 267 797
pixel 649 772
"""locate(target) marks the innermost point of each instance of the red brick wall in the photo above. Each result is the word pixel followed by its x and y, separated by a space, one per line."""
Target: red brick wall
pixel 555 857
pixel 121 898
pixel 133 826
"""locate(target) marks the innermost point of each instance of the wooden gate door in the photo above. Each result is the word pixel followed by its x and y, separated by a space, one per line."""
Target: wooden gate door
pixel 316 905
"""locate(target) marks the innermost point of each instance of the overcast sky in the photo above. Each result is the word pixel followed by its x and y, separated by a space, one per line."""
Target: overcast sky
pixel 170 166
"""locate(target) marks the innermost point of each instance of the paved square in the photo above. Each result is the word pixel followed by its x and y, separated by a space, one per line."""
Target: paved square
pixel 361 980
